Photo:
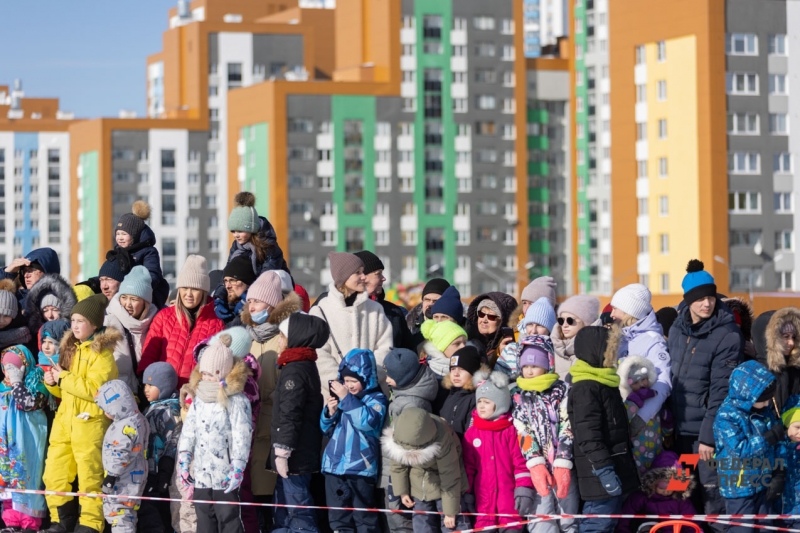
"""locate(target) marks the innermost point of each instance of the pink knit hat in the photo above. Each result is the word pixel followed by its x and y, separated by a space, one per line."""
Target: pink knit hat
pixel 217 360
pixel 267 289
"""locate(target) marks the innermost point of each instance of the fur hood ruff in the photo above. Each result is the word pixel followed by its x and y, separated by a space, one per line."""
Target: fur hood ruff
pixel 104 339
pixel 776 361
pixel 234 383
pixel 408 457
pixel 624 370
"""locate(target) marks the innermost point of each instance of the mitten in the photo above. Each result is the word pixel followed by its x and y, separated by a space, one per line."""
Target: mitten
pixel 524 500
pixel 609 479
pixel 638 397
pixel 776 485
pixel 636 425
pixel 774 434
pixel 184 463
pixel 234 477
pixel 469 502
pixel 563 477
pixel 166 467
pixel 282 461
pixel 150 486
pixel 542 479
pixel 108 484
pixel 14 374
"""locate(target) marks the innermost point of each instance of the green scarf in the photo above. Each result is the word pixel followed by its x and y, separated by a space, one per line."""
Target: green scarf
pixel 583 371
pixel 538 384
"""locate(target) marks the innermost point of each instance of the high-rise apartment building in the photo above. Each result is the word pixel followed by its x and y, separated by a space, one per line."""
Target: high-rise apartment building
pixel 544 22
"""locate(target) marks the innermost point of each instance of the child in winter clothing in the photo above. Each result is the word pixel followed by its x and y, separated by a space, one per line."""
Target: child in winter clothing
pixel 426 469
pixel 86 361
pixel 495 467
pixel 637 374
pixel 790 453
pixel 23 437
pixel 253 236
pixel 296 434
pixel 164 417
pixel 124 454
pixel 545 435
pixel 460 402
pixel 654 497
pixel 746 429
pixel 13 325
pixel 539 319
pixel 449 307
pixel 217 435
pixel 50 335
pixel 353 420
pixel 602 452
pixel 442 340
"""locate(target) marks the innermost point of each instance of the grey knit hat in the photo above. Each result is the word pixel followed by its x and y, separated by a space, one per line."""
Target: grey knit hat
pixel 343 265
pixel 50 299
pixel 244 216
pixel 583 306
pixel 493 387
pixel 194 274
pixel 8 304
pixel 163 376
pixel 543 287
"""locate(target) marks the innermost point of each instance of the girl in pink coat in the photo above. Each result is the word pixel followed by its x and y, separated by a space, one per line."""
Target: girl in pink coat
pixel 500 481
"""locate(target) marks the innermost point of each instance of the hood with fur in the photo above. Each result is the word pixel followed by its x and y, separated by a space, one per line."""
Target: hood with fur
pixel 742 313
pixel 408 456
pixel 598 346
pixel 50 283
pixel 104 339
pixel 447 384
pixel 664 469
pixel 291 304
pixel 767 339
pixel 624 370
pixel 233 384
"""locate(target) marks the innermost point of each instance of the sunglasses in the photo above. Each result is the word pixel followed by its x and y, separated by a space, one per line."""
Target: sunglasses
pixel 493 318
pixel 569 320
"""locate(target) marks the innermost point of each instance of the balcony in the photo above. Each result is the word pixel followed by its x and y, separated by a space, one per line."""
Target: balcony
pixel 434 166
pixel 433 86
pixel 432 33
pixel 434 244
pixel 353 139
pixel 433 139
pixel 353 165
pixel 433 112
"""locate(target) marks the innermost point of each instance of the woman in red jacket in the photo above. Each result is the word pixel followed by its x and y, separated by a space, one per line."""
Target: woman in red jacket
pixel 176 330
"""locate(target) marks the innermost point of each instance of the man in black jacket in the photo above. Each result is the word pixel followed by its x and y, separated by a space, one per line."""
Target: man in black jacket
pixel 705 345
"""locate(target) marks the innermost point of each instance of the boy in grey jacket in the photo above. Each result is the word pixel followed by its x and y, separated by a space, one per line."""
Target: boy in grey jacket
pixel 124 449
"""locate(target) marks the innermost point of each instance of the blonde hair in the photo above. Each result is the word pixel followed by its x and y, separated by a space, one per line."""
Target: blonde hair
pixel 183 312
pixel 627 320
pixel 346 292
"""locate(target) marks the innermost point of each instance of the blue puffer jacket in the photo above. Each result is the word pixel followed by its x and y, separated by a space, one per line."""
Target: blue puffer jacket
pixel 355 429
pixel 703 357
pixel 738 431
pixel 790 453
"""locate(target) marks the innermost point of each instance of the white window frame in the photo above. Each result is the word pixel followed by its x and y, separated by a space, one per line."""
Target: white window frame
pixel 779 163
pixel 749 83
pixel 737 118
pixel 747 197
pixel 742 163
pixel 779 124
pixel 748 40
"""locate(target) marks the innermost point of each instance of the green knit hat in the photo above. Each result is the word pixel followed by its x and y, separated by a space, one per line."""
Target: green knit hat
pixel 244 216
pixel 441 334
pixel 92 308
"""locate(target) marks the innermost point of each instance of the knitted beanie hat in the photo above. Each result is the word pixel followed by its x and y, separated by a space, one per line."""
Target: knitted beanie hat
pixel 50 300
pixel 449 304
pixel 54 329
pixel 286 281
pixel 441 334
pixel 666 317
pixel 244 216
pixel 402 365
pixel 467 358
pixel 8 304
pixel 194 274
pixel 435 286
pixel 138 283
pixel 112 269
pixel 267 289
pixel 585 307
pixel 543 287
pixel 491 305
pixel 217 360
pixel 240 268
pixel 371 261
pixel 541 313
pixel 493 387
pixel 697 283
pixel 163 376
pixel 133 223
pixel 343 265
pixel 92 309
pixel 633 299
pixel 240 340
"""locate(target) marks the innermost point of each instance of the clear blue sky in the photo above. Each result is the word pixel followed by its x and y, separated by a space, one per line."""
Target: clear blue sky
pixel 89 53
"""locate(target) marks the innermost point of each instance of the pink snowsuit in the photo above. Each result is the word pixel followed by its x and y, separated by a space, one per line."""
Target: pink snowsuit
pixel 495 467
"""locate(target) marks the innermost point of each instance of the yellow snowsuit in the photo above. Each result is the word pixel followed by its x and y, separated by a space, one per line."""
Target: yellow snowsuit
pixel 76 440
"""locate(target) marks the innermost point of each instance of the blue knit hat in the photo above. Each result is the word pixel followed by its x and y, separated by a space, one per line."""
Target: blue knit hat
pixel 138 283
pixel 112 269
pixel 542 313
pixel 402 365
pixel 450 304
pixel 697 283
pixel 240 340
pixel 163 376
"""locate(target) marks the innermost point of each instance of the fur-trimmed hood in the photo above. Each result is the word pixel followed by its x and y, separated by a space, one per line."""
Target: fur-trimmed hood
pixel 408 456
pixel 516 317
pixel 50 283
pixel 598 346
pixel 448 384
pixel 768 343
pixel 742 313
pixel 104 339
pixel 233 384
pixel 651 478
pixel 625 368
pixel 290 304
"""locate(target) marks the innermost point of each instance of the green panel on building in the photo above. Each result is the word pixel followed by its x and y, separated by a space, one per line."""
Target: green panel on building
pixel 538 115
pixel 90 221
pixel 255 161
pixel 539 247
pixel 538 142
pixel 539 194
pixel 539 221
pixel 538 168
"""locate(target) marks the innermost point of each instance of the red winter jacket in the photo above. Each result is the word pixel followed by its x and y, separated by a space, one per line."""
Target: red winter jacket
pixel 171 341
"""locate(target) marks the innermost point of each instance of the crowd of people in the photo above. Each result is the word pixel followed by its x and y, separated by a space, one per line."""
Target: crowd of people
pixel 478 414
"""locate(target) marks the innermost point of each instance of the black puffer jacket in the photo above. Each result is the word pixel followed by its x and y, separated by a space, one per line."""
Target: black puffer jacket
pixel 703 357
pixel 769 352
pixel 506 303
pixel 401 336
pixel 458 405
pixel 598 419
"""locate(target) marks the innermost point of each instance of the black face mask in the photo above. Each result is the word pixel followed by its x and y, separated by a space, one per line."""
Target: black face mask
pixel 429 313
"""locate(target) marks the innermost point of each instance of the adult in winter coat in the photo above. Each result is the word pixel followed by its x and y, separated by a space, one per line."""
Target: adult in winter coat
pixel 253 236
pixel 486 316
pixel 574 314
pixel 642 335
pixel 131 311
pixel 50 298
pixel 135 244
pixel 776 335
pixel 601 447
pixel 175 331
pixel 237 277
pixel 355 321
pixel 28 270
pixel 13 325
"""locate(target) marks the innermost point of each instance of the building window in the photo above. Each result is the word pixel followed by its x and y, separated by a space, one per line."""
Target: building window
pixel 641 58
pixel 408 238
pixel 509 52
pixel 744 163
pixel 743 124
pixel 746 277
pixel 661 51
pixel 741 44
pixel 783 202
pixel 744 238
pixel 641 169
pixel 779 124
pixel 742 83
pixel 644 244
pixel 662 167
pixel 784 240
pixel 782 163
pixel 234 74
pixel 641 131
pixel 485 101
pixel 329 238
pixel 664 283
pixel 785 280
pixel 641 94
pixel 777 44
pixel 663 206
pixel 664 242
pixel 661 90
pixel 744 202
pixel 483 23
pixel 485 50
pixel 777 84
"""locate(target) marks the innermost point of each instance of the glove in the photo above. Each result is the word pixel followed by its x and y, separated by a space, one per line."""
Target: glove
pixel 234 477
pixel 150 487
pixel 186 479
pixel 282 461
pixel 609 479
pixel 469 502
pixel 638 397
pixel 776 485
pixel 563 478
pixel 108 484
pixel 166 467
pixel 542 479
pixel 14 374
pixel 636 425
pixel 523 500
pixel 774 434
